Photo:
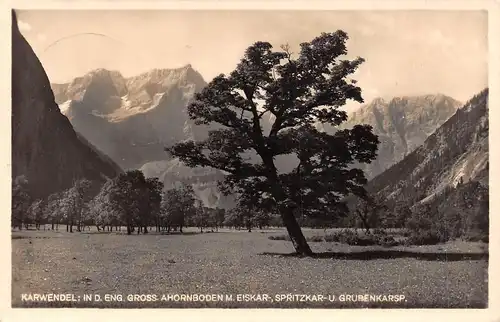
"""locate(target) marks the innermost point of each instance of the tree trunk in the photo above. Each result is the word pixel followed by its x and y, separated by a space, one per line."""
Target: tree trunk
pixel 290 222
pixel 145 229
pixel 295 233
pixel 129 230
pixel 364 221
pixel 296 236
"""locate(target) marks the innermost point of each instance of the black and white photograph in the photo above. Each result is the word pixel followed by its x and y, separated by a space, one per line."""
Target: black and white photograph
pixel 249 159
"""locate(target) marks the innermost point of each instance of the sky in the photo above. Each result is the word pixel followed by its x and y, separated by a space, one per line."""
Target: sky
pixel 406 52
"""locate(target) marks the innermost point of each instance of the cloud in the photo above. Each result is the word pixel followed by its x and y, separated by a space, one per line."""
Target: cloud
pixel 41 37
pixel 23 26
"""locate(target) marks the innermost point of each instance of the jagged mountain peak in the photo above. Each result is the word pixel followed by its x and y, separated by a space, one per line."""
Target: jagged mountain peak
pixel 408 103
pixel 104 82
pixel 164 78
pixel 417 108
pixel 425 100
pixel 186 72
pixel 99 75
pixel 402 124
pixel 103 72
pixel 140 88
pixel 164 71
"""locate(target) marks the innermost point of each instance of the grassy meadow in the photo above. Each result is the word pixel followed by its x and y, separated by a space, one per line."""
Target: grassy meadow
pixel 238 262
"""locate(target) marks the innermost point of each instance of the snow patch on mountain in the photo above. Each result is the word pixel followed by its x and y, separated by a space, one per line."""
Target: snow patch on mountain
pixel 65 106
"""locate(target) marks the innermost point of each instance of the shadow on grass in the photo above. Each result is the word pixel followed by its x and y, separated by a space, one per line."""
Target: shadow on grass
pixel 188 233
pixel 150 233
pixel 390 254
pixel 178 233
pixel 31 237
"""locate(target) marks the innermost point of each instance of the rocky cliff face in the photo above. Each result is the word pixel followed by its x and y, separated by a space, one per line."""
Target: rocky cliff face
pixel 132 119
pixel 402 124
pixel 456 152
pixel 45 147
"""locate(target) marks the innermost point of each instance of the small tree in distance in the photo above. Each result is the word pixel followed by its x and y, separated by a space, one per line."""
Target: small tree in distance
pixel 293 93
pixel 178 206
pixel 368 211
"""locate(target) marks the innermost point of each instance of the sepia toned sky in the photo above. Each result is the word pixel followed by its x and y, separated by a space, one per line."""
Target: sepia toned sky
pixel 406 52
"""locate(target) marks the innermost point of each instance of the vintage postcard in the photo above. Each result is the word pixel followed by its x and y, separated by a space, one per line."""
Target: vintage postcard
pixel 215 156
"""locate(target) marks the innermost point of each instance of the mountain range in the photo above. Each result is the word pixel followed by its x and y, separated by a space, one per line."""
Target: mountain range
pixel 45 148
pixel 133 119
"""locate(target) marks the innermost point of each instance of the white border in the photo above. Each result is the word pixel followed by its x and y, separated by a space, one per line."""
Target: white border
pixel 490 314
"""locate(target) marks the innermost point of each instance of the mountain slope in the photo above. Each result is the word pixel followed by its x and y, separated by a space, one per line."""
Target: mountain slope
pixel 402 124
pixel 456 152
pixel 45 148
pixel 203 180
